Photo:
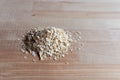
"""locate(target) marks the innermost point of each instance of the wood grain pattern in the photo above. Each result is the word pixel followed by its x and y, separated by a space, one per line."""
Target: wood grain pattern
pixel 98 20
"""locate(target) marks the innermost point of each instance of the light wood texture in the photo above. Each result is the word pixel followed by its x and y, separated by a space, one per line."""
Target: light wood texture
pixel 98 20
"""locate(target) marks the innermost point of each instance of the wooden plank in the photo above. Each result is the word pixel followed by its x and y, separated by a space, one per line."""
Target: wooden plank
pixel 78 6
pixel 99 22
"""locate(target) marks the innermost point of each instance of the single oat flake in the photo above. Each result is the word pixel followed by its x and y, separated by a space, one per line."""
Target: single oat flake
pixel 50 42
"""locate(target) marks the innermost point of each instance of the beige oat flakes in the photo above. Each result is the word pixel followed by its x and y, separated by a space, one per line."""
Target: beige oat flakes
pixel 50 42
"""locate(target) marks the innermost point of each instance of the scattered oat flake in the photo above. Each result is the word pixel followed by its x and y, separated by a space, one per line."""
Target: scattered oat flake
pixel 18 39
pixel 79 48
pixel 26 52
pixel 25 57
pixel 34 60
pixel 22 50
pixel 66 62
pixel 63 55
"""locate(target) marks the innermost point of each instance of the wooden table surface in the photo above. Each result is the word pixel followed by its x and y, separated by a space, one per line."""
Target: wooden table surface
pixel 98 20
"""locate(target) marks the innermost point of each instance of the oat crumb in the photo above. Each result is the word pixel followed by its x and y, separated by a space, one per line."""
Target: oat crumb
pixel 66 62
pixel 34 60
pixel 25 57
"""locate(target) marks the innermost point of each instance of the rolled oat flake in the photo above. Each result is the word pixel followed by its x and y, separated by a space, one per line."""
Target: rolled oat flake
pixel 47 43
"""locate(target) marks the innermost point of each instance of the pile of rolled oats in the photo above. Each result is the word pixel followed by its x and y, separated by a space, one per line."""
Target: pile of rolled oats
pixel 50 42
